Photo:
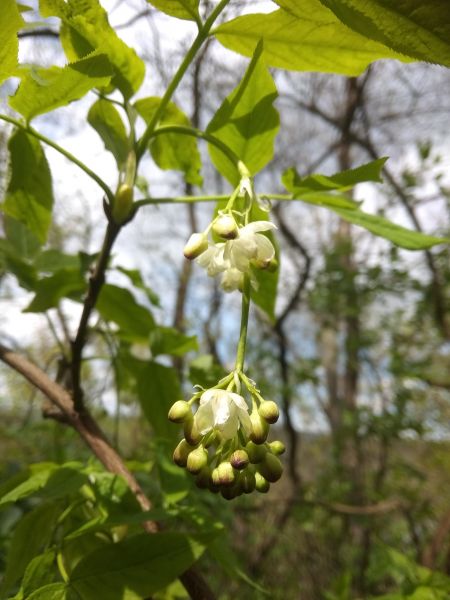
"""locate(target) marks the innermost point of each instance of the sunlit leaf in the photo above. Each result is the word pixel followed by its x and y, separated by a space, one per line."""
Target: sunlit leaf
pixel 10 23
pixel 86 29
pixel 182 9
pixel 107 122
pixel 168 340
pixel 42 90
pixel 247 122
pixel 64 283
pixel 172 150
pixel 416 28
pixel 307 37
pixel 117 304
pixel 29 195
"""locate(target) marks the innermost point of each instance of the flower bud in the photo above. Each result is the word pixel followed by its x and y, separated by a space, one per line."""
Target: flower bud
pixel 268 410
pixel 239 459
pixel 230 493
pixel 256 452
pixel 191 433
pixel 277 447
pixel 271 468
pixel 181 452
pixel 123 202
pixel 196 460
pixel 247 481
pixel 225 227
pixel 261 484
pixel 223 474
pixel 195 245
pixel 179 411
pixel 203 479
pixel 260 428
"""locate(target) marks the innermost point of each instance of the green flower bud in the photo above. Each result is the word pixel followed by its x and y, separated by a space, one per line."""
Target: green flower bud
pixel 277 447
pixel 203 479
pixel 195 245
pixel 271 468
pixel 268 410
pixel 196 460
pixel 179 411
pixel 247 481
pixel 225 227
pixel 223 474
pixel 123 202
pixel 256 452
pixel 239 459
pixel 232 492
pixel 260 428
pixel 181 453
pixel 272 266
pixel 261 484
pixel 191 433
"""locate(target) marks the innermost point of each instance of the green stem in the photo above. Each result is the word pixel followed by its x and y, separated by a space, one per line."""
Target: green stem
pixel 184 130
pixel 207 198
pixel 62 151
pixel 188 59
pixel 240 354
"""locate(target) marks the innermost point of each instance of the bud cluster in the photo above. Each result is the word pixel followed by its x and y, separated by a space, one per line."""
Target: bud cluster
pixel 225 446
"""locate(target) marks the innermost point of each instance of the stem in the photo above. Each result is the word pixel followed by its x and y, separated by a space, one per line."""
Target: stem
pixel 197 43
pixel 240 354
pixel 62 151
pixel 207 198
pixel 184 130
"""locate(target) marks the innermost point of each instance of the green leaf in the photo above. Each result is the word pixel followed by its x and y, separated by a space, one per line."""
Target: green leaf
pixel 53 591
pixel 305 37
pixel 11 261
pixel 39 572
pixel 204 371
pixel 158 389
pixel 52 260
pixel 65 283
pixel 247 122
pixel 10 23
pixel 172 150
pixel 24 242
pixel 174 481
pixel 31 535
pixel 342 181
pixel 266 295
pixel 117 304
pixel 400 236
pixel 105 119
pixel 168 340
pixel 29 195
pixel 48 481
pixel 181 9
pixel 136 567
pixel 42 90
pixel 86 29
pixel 135 276
pixel 413 27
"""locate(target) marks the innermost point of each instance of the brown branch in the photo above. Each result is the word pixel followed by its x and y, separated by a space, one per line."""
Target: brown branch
pixel 95 439
pixel 440 538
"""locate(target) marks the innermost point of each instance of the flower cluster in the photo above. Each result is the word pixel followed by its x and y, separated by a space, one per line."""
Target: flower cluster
pixel 225 446
pixel 245 248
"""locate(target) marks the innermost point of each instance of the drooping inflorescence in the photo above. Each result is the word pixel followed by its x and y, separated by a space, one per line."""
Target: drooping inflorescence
pixel 225 443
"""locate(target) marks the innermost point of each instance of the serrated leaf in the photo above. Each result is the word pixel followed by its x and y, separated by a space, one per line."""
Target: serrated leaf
pixel 117 304
pixel 136 567
pixel 247 122
pixel 107 122
pixel 42 90
pixel 308 37
pixel 181 9
pixel 10 23
pixel 86 29
pixel 65 283
pixel 158 388
pixel 29 195
pixel 172 150
pixel 400 236
pixel 342 181
pixel 413 27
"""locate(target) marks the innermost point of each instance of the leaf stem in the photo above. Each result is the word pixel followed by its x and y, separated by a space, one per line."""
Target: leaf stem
pixel 240 354
pixel 62 151
pixel 188 59
pixel 206 198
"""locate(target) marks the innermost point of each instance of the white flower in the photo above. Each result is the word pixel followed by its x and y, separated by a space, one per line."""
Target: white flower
pixel 233 257
pixel 223 411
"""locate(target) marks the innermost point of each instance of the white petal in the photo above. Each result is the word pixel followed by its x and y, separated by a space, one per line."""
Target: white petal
pixel 230 428
pixel 204 418
pixel 222 409
pixel 238 401
pixel 266 251
pixel 244 419
pixel 232 279
pixel 257 226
